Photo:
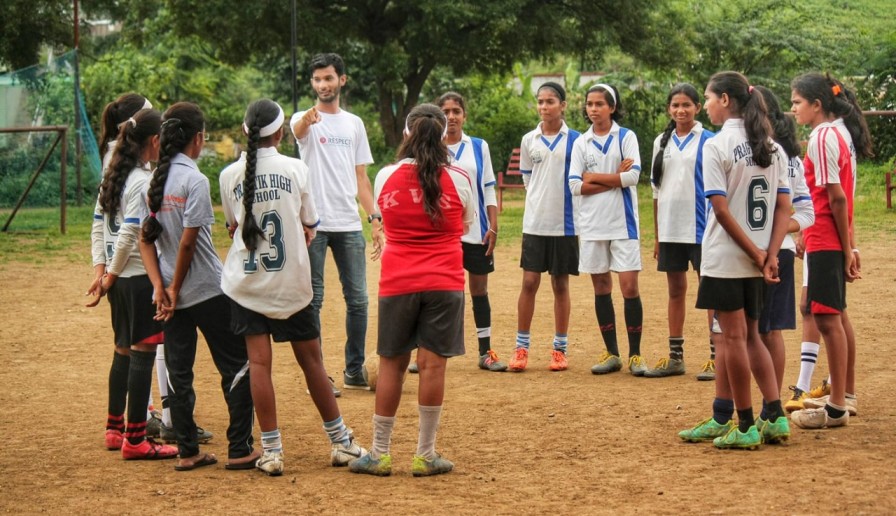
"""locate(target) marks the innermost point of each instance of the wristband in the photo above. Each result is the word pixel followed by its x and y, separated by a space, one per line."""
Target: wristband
pixel 376 216
pixel 493 231
pixel 855 249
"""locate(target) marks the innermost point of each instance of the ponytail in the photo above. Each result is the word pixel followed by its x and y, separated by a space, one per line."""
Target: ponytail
pixel 116 112
pixel 783 126
pixel 135 135
pixel 749 104
pixel 846 106
pixel 425 129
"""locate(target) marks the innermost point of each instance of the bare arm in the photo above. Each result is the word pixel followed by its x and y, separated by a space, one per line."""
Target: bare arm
pixel 365 197
pixel 159 296
pixel 656 234
pixel 780 224
pixel 185 251
pixel 300 129
pixel 841 220
pixel 491 236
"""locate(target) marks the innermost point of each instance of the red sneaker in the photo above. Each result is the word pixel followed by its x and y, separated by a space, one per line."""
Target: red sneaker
pixel 147 450
pixel 113 439
pixel 520 360
pixel 558 361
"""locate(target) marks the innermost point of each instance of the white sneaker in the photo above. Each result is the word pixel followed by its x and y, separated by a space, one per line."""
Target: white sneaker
pixel 271 463
pixel 852 404
pixel 817 418
pixel 341 455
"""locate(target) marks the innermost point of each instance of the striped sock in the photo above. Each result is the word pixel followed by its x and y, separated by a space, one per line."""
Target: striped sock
pixel 338 432
pixel 560 342
pixel 270 441
pixel 676 348
pixel 522 339
pixel 712 349
pixel 808 357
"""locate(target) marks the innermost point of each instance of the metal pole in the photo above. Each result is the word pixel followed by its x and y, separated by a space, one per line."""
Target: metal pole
pixel 295 77
pixel 78 192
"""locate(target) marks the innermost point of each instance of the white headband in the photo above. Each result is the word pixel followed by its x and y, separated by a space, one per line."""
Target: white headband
pixel 407 131
pixel 271 128
pixel 147 104
pixel 608 88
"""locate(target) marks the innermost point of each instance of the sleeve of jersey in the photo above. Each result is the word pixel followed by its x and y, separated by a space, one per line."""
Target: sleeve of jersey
pixel 464 189
pixel 227 199
pixel 630 150
pixel 308 212
pixel 656 149
pixel 525 161
pixel 135 211
pixel 576 167
pixel 198 211
pixel 362 149
pixel 803 210
pixel 714 180
pixel 780 164
pixel 97 243
pixel 827 157
pixel 488 177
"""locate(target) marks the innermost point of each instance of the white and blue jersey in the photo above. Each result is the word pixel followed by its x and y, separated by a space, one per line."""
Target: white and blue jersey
pixel 115 239
pixel 610 215
pixel 472 155
pixel 680 201
pixel 800 197
pixel 545 165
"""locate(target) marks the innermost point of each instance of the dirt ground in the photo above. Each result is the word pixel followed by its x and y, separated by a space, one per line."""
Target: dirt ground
pixel 533 443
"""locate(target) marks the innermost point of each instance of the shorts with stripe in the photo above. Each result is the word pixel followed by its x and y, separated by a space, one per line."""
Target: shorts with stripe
pixel 300 326
pixel 779 312
pixel 731 294
pixel 433 320
pixel 475 260
pixel 133 312
pixel 674 257
pixel 826 294
pixel 556 255
pixel 601 256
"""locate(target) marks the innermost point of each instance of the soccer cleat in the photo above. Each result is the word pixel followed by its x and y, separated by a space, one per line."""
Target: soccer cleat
pixel 422 467
pixel 154 425
pixel 520 360
pixel 708 372
pixel 341 455
pixel 381 467
pixel 735 439
pixel 796 401
pixel 706 430
pixel 822 390
pixel 852 404
pixel 636 365
pixel 666 367
pixel 607 363
pixel 776 432
pixel 147 450
pixel 413 369
pixel 558 361
pixel 271 463
pixel 113 439
pixel 813 419
pixel 167 434
pixel 354 382
pixel 489 362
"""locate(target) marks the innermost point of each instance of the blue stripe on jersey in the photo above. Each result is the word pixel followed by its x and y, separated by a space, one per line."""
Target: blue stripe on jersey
pixel 132 220
pixel 784 190
pixel 710 193
pixel 97 217
pixel 636 167
pixel 682 144
pixel 575 176
pixel 699 196
pixel 477 155
pixel 550 145
pixel 802 198
pixel 527 172
pixel 312 226
pixel 628 201
pixel 460 151
pixel 569 223
pixel 606 146
pixel 490 183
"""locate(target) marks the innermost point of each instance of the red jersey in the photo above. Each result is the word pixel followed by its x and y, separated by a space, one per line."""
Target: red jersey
pixel 827 161
pixel 421 256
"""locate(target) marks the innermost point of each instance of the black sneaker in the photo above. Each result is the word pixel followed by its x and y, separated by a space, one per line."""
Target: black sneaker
pixel 166 434
pixel 354 382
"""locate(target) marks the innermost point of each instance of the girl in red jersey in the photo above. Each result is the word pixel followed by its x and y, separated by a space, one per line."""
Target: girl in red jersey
pixel 426 206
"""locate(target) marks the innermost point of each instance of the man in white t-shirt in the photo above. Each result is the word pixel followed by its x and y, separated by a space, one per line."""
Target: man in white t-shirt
pixel 333 144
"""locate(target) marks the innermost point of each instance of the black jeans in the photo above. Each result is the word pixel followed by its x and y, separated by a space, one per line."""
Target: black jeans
pixel 228 351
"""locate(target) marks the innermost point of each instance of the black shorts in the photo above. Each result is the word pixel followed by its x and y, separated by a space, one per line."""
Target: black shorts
pixel 300 326
pixel 475 260
pixel 779 312
pixel 556 255
pixel 826 294
pixel 133 312
pixel 433 320
pixel 674 257
pixel 730 294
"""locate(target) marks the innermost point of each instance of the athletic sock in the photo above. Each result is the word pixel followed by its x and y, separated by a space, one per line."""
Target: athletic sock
pixel 162 377
pixel 712 350
pixel 634 321
pixel 834 411
pixel 429 425
pixel 522 339
pixel 271 442
pixel 382 435
pixel 722 410
pixel 773 410
pixel 482 316
pixel 808 358
pixel 118 391
pixel 139 385
pixel 560 342
pixel 676 348
pixel 337 431
pixel 745 419
pixel 606 320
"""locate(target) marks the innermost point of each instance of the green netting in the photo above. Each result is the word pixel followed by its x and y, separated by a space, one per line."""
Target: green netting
pixel 43 95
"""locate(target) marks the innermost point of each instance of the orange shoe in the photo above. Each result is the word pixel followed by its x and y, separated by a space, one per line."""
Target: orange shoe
pixel 147 450
pixel 520 360
pixel 558 361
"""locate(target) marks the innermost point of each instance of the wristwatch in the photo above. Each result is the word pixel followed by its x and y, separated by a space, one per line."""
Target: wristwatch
pixel 376 216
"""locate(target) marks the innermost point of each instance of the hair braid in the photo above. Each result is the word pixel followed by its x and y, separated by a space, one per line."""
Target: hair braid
pixel 658 159
pixel 250 230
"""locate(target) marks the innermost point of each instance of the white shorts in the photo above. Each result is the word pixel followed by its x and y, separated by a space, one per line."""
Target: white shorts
pixel 805 270
pixel 601 256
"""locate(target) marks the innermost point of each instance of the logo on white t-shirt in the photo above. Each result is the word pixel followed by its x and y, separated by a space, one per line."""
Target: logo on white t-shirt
pixel 339 141
pixel 537 156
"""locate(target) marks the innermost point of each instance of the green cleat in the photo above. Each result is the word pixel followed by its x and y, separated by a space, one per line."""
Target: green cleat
pixel 706 431
pixel 774 433
pixel 381 467
pixel 735 439
pixel 425 468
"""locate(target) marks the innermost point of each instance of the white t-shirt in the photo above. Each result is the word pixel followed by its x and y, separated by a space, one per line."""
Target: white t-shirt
pixel 752 194
pixel 275 279
pixel 120 234
pixel 332 149
pixel 544 163
pixel 610 215
pixel 680 203
pixel 463 154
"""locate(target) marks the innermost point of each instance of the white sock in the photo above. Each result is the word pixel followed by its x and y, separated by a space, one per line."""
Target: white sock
pixel 382 435
pixel 162 377
pixel 271 442
pixel 429 424
pixel 808 357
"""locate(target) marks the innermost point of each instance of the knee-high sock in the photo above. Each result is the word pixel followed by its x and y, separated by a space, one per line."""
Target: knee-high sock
pixel 482 316
pixel 634 319
pixel 429 425
pixel 382 435
pixel 808 357
pixel 162 377
pixel 606 319
pixel 139 385
pixel 118 391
